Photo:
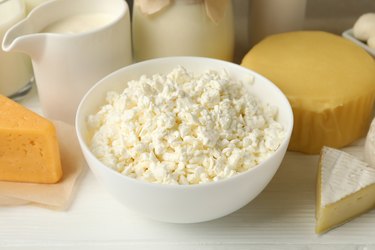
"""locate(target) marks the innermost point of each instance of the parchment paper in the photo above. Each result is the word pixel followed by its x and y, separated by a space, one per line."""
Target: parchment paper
pixel 53 196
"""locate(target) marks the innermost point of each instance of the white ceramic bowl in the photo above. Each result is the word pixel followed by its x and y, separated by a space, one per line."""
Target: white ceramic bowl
pixel 183 203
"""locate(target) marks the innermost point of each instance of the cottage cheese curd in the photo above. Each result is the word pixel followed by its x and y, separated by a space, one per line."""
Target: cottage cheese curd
pixel 180 128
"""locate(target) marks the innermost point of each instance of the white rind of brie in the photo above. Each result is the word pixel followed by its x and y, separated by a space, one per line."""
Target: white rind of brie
pixel 345 189
pixel 342 174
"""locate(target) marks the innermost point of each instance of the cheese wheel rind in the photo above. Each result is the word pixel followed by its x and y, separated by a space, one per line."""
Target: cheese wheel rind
pixel 329 82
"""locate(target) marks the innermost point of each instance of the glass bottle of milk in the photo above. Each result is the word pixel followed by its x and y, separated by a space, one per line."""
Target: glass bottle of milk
pixel 183 28
pixel 15 68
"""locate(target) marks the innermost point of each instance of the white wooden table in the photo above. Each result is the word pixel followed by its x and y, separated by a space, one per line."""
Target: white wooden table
pixel 281 217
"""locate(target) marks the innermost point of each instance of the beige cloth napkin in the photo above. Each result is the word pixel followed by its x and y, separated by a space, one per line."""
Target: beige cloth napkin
pixel 215 9
pixel 54 196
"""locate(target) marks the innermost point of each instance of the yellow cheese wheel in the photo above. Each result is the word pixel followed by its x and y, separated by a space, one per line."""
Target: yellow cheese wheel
pixel 29 150
pixel 329 81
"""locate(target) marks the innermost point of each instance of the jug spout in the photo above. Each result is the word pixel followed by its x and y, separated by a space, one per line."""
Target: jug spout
pixel 21 38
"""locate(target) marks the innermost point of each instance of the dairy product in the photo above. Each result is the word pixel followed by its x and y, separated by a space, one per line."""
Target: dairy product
pixel 345 189
pixel 370 145
pixel 67 65
pixel 79 23
pixel 15 68
pixel 329 82
pixel 28 145
pixel 180 128
pixel 182 29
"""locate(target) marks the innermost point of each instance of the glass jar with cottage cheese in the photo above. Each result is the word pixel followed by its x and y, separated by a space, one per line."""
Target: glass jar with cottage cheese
pixel 183 28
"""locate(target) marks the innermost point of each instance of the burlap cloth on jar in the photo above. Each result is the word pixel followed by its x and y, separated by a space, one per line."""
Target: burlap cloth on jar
pixel 215 9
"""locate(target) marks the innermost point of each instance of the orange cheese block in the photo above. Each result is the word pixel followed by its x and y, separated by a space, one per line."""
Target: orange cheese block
pixel 29 150
pixel 329 82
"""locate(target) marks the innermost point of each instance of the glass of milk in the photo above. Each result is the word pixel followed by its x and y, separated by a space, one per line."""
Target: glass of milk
pixel 15 68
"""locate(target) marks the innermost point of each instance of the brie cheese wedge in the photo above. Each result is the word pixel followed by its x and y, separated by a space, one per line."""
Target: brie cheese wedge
pixel 345 189
pixel 370 145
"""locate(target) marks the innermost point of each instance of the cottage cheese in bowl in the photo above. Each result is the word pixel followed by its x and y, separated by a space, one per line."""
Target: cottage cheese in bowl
pixel 184 128
pixel 186 143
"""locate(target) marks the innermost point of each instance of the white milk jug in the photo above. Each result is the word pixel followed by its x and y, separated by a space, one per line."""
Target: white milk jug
pixel 72 44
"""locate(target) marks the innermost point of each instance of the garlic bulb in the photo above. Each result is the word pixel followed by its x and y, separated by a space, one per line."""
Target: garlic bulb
pixel 364 27
pixel 371 42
